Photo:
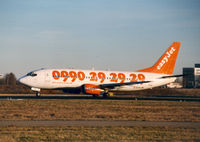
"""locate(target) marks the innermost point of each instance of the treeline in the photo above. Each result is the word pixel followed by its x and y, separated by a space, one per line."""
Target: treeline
pixel 9 84
pixel 9 79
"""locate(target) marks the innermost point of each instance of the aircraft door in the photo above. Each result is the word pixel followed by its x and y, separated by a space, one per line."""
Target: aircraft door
pixel 47 78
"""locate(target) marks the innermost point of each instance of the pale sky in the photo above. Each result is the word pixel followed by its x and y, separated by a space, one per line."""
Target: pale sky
pixel 124 35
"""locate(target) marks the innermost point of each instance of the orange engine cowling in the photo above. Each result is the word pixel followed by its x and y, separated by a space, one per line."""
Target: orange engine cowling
pixel 93 89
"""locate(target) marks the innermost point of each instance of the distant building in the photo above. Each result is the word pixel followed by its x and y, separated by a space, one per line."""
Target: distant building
pixel 188 79
pixel 192 77
pixel 197 75
pixel 1 76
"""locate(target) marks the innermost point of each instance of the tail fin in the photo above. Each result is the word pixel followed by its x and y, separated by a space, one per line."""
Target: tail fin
pixel 166 63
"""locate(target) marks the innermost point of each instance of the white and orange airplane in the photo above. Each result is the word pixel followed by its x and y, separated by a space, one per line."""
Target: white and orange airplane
pixel 105 82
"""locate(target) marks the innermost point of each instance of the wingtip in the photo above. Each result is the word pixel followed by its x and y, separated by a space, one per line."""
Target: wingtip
pixel 177 42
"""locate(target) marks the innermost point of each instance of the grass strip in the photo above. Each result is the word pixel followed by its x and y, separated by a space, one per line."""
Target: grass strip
pixel 99 110
pixel 23 134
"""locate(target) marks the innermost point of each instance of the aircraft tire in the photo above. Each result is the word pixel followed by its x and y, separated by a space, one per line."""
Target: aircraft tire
pixel 37 94
pixel 105 95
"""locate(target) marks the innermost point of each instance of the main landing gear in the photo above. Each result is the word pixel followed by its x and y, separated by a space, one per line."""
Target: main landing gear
pixel 108 94
pixel 104 95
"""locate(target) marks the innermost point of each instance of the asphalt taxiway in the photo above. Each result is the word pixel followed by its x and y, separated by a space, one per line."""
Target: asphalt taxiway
pixel 96 123
pixel 121 97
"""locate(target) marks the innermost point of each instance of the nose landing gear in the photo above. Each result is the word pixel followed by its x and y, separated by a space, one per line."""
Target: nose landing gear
pixel 37 94
pixel 37 90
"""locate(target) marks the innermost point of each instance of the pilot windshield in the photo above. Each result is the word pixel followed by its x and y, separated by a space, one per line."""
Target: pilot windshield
pixel 31 74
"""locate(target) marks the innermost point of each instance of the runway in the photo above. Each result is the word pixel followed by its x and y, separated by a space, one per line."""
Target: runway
pixel 25 123
pixel 121 97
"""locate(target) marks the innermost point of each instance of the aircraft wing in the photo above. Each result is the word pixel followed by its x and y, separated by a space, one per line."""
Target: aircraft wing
pixel 113 85
pixel 170 76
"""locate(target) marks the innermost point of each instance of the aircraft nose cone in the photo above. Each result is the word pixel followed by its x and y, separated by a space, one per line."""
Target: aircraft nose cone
pixel 21 80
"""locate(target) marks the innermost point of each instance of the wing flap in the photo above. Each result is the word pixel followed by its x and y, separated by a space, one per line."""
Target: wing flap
pixel 171 76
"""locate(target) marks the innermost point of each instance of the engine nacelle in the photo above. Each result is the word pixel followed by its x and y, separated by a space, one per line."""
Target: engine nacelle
pixel 93 89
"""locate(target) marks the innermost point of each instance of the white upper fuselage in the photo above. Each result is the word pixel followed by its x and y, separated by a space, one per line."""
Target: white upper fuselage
pixel 71 78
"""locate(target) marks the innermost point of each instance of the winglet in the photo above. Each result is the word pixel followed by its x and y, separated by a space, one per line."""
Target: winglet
pixel 167 61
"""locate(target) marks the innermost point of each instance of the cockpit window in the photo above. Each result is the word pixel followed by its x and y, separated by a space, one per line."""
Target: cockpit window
pixel 31 74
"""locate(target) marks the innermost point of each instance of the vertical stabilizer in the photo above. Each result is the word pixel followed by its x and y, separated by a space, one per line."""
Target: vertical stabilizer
pixel 167 61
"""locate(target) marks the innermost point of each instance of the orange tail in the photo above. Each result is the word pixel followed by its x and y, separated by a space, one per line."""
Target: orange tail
pixel 167 61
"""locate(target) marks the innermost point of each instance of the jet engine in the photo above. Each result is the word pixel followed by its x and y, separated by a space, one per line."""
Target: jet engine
pixel 92 89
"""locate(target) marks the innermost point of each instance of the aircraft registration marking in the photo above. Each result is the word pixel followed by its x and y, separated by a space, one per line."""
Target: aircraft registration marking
pixel 96 76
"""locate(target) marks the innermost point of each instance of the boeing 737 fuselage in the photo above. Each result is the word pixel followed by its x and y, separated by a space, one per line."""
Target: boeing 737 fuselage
pixel 105 82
